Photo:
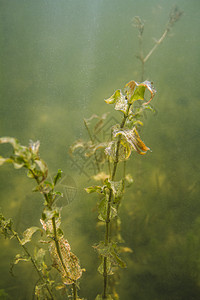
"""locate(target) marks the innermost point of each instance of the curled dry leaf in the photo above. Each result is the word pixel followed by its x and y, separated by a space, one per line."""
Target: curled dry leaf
pixel 71 270
pixel 132 137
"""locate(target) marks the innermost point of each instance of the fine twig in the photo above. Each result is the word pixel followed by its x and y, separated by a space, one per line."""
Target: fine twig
pixel 174 16
pixel 15 234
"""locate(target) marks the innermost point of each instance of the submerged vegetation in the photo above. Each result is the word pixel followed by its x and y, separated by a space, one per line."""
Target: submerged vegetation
pixel 157 262
pixel 108 155
pixel 124 139
pixel 138 23
pixel 62 258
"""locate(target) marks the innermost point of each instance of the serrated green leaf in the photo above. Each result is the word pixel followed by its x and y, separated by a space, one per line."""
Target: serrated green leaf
pixel 105 250
pixel 108 267
pixel 103 206
pixel 118 260
pixel 119 100
pixel 27 235
pixel 110 251
pixel 115 97
pixel 102 209
pixel 136 91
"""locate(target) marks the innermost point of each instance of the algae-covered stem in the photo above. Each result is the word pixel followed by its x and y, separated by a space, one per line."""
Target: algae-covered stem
pixel 33 262
pixel 55 238
pixel 74 289
pixel 107 235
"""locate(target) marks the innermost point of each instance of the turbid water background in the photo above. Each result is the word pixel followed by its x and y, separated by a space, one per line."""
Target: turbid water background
pixel 59 60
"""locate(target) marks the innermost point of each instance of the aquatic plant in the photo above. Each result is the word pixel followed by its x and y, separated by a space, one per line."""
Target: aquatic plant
pixel 62 258
pixel 174 16
pixel 108 154
pixel 124 139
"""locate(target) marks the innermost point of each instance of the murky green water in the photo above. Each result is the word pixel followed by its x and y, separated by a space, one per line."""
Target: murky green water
pixel 59 59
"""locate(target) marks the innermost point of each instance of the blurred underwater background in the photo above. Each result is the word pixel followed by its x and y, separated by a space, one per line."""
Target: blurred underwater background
pixel 59 60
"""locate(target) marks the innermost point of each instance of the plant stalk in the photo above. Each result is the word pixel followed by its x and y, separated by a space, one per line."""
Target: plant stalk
pixel 107 232
pixel 33 262
pixel 74 288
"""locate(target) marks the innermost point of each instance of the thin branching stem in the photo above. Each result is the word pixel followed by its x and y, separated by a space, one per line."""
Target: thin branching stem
pixel 156 45
pixel 174 16
pixel 33 262
pixel 107 232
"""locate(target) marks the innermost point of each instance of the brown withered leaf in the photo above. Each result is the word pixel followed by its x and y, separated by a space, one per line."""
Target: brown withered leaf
pixel 131 86
pixel 136 91
pixel 140 145
pixel 132 137
pixel 72 271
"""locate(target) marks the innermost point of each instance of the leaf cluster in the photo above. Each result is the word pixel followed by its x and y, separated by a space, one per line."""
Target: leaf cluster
pixel 62 258
pixel 110 251
pixel 124 137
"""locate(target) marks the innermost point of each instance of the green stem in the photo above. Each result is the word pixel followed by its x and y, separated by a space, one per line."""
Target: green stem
pixel 141 57
pixel 107 233
pixel 33 262
pixel 56 238
pixel 74 288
